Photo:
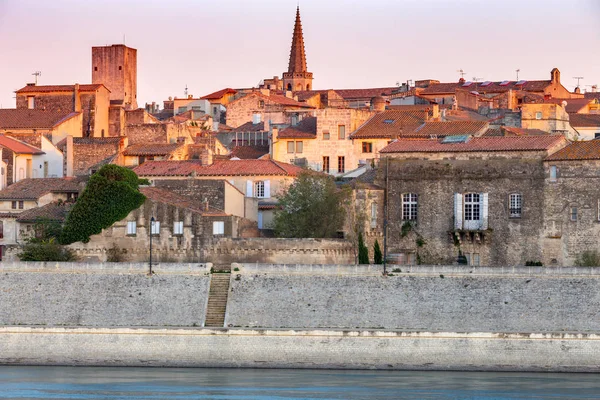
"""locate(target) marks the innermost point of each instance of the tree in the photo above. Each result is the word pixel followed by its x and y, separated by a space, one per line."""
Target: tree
pixel 377 255
pixel 110 195
pixel 363 250
pixel 312 206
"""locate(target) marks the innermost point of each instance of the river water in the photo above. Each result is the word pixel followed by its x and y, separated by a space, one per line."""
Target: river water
pixel 269 384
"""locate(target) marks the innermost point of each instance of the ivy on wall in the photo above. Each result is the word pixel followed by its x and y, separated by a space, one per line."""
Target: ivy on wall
pixel 110 195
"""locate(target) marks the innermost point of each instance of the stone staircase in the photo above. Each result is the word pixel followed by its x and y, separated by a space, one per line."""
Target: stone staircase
pixel 217 297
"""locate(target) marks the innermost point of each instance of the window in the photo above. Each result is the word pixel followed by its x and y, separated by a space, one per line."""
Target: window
pixel 14 205
pixel 299 147
pixel 120 68
pixel 598 209
pixel 95 68
pixel 295 147
pixel 373 215
pixel 261 104
pixel 597 135
pixel 215 110
pixel 472 207
pixel 178 228
pixel 341 132
pixel 553 173
pixel 131 227
pixel 538 115
pixel 155 228
pixel 404 258
pixel 20 204
pixel 326 164
pixel 1 232
pixel 475 260
pixel 218 227
pixel 72 196
pixel 573 213
pixel 409 206
pixel 341 164
pixel 514 204
pixel 259 189
pixel 181 110
pixel 367 147
pixel 325 135
pixel 30 102
pixel 291 147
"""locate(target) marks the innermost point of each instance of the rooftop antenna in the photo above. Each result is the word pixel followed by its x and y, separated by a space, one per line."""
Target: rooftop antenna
pixel 578 79
pixel 186 91
pixel 37 73
pixel 475 79
pixel 517 71
pixel 123 38
pixel 594 87
pixel 462 73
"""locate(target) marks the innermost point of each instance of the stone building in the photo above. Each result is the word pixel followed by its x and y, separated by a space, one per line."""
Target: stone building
pixel 297 77
pixel 115 67
pixel 482 197
pixel 587 126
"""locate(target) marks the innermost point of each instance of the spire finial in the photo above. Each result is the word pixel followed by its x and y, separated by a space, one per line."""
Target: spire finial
pixel 297 53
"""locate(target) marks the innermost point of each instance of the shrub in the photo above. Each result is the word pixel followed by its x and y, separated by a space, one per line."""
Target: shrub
pixel 377 255
pixel 48 250
pixel 589 258
pixel 363 251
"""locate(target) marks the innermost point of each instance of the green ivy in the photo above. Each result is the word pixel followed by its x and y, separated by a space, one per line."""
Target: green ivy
pixel 110 195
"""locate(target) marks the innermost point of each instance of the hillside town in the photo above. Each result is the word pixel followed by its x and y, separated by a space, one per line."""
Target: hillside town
pixel 472 172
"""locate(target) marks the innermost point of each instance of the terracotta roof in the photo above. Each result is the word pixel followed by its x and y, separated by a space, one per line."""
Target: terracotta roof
pixel 59 88
pixel 169 197
pixel 55 211
pixel 151 149
pixel 592 95
pixel 449 128
pixel 17 146
pixel 224 128
pixel 584 120
pixel 250 127
pixel 33 189
pixel 277 99
pixel 248 152
pixel 305 129
pixel 512 131
pixel 23 118
pixel 307 94
pixel 582 150
pixel 366 94
pixel 91 140
pixel 219 168
pixel 493 87
pixel 573 105
pixel 476 144
pixel 219 94
pixel 390 124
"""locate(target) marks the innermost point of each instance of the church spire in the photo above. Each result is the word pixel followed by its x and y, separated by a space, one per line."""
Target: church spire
pixel 297 54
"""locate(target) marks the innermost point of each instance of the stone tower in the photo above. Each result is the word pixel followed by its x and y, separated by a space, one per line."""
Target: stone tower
pixel 297 77
pixel 116 67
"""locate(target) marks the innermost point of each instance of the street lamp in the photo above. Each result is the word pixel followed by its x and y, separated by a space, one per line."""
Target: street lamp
pixel 151 229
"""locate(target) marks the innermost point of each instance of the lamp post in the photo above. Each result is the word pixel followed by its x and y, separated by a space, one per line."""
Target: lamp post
pixel 151 229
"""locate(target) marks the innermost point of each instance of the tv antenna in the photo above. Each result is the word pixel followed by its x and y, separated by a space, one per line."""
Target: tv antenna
pixel 185 92
pixel 517 71
pixel 594 87
pixel 36 74
pixel 462 73
pixel 475 79
pixel 578 79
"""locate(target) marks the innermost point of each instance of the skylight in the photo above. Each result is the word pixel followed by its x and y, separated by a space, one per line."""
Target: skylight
pixel 388 121
pixel 486 83
pixel 504 83
pixel 467 84
pixel 521 82
pixel 456 139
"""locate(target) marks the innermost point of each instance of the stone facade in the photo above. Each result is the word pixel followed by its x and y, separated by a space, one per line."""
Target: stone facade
pixel 271 109
pixel 116 68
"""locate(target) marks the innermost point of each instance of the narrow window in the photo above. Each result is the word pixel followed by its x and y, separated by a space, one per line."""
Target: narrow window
pixel 218 227
pixel 299 147
pixel 14 205
pixel 573 213
pixel 20 204
pixel 475 259
pixel 131 227
pixel 538 115
pixel 553 173
pixel 326 168
pixel 30 102
pixel 178 228
pixel 515 205
pixel 261 104
pixel 373 215
pixel 341 164
pixel 325 135
pixel 155 228
pixel 472 208
pixel 598 209
pixel 409 206
pixel 290 147
pixel 259 189
pixel 341 132
pixel 367 147
pixel 120 68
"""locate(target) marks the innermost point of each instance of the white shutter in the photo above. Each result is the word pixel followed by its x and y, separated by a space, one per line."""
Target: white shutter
pixel 484 211
pixel 458 211
pixel 248 188
pixel 267 189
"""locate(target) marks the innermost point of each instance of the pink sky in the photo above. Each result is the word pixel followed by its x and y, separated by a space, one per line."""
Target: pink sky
pixel 210 45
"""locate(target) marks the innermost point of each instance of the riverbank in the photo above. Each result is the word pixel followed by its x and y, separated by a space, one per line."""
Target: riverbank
pixel 318 349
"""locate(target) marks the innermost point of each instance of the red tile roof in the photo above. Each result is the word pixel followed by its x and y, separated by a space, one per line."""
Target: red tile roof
pixel 476 144
pixel 365 94
pixel 493 87
pixel 33 189
pixel 449 128
pixel 573 105
pixel 583 150
pixel 18 147
pixel 248 152
pixel 219 94
pixel 151 149
pixel 305 129
pixel 584 120
pixel 55 211
pixel 390 124
pixel 219 168
pixel 250 127
pixel 23 118
pixel 59 88
pixel 169 197
pixel 592 95
pixel 276 99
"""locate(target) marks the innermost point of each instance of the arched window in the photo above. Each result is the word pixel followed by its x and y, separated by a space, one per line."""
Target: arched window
pixel 307 87
pixel 409 206
pixel 373 215
pixel 289 86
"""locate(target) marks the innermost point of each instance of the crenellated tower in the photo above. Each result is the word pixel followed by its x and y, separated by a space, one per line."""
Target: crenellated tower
pixel 297 78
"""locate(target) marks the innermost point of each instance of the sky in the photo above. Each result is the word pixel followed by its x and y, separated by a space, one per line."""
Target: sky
pixel 211 45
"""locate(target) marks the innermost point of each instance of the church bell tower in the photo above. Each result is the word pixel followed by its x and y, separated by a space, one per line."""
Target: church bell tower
pixel 297 78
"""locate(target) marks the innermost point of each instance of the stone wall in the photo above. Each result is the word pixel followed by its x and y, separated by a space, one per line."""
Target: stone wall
pixel 197 190
pixel 71 294
pixel 420 298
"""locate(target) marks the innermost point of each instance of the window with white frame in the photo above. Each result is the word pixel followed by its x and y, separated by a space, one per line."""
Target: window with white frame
pixel 218 227
pixel 538 115
pixel 373 215
pixel 409 207
pixel 553 173
pixel 178 228
pixel 472 207
pixel 515 205
pixel 471 211
pixel 259 189
pixel 131 227
pixel 155 230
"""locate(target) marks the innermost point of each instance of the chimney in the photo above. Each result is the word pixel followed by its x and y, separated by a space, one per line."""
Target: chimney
pixel 436 112
pixel 76 98
pixel 68 158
